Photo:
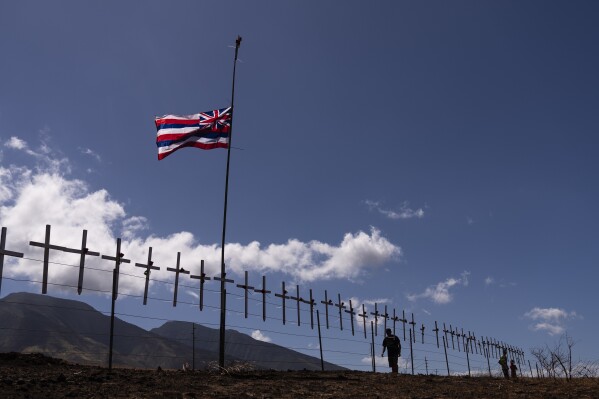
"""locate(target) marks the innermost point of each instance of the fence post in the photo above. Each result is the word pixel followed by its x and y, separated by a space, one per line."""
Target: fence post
pixel 319 340
pixel 468 358
pixel 487 350
pixel 193 346
pixel 446 360
pixel 373 352
pixel 113 299
pixel 411 353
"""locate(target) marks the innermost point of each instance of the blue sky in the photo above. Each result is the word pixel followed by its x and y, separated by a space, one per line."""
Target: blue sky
pixel 437 157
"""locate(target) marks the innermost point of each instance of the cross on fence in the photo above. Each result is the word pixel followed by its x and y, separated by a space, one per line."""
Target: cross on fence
pixel 283 296
pixel 118 258
pixel 3 252
pixel 364 316
pixel 178 270
pixel 83 251
pixel 341 306
pixel 246 287
pixel 149 267
pixel 327 302
pixel 351 316
pixel 376 319
pixel 203 278
pixel 413 323
pixel 404 321
pixel 297 299
pixel 263 291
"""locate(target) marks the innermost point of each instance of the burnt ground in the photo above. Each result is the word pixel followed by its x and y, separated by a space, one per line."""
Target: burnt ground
pixel 38 376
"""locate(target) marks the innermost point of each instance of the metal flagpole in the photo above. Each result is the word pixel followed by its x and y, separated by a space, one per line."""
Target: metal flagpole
pixel 221 351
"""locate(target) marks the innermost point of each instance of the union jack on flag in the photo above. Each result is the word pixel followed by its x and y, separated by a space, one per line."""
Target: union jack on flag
pixel 206 130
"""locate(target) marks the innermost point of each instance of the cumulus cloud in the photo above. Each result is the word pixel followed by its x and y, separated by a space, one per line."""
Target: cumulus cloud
pixel 33 197
pixel 16 143
pixel 551 320
pixel 404 211
pixel 489 280
pixel 258 335
pixel 440 293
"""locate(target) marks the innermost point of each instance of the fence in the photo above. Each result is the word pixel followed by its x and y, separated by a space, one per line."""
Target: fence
pixel 347 335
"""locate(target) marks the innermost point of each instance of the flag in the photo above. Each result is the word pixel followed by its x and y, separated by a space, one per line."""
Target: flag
pixel 206 130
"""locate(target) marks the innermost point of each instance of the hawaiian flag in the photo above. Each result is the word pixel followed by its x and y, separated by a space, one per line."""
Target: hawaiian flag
pixel 206 130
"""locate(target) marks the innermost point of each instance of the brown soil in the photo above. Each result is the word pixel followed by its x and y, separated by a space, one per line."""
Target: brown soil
pixel 37 376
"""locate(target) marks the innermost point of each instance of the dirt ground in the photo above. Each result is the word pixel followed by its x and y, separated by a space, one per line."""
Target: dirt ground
pixel 37 376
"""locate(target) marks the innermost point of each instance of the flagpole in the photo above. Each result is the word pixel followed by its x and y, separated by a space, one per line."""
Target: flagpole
pixel 223 293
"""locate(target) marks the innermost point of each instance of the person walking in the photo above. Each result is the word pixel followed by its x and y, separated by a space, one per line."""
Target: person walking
pixel 513 369
pixel 503 363
pixel 393 347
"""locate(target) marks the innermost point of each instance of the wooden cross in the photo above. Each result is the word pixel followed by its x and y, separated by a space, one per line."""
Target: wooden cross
pixel 311 302
pixel 386 316
pixel 149 267
pixel 445 331
pixel 341 306
pixel 263 291
pixel 246 287
pixel 297 299
pixel 83 251
pixel 4 251
pixel 177 271
pixel 202 277
pixel 47 247
pixel 452 333
pixel 436 330
pixel 284 296
pixel 376 315
pixel 413 328
pixel 364 316
pixel 404 321
pixel 351 316
pixel 326 303
pixel 395 320
pixel 118 258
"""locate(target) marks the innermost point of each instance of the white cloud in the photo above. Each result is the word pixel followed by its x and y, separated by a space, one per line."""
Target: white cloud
pixel 91 153
pixel 551 320
pixel 404 211
pixel 32 198
pixel 16 143
pixel 440 293
pixel 489 280
pixel 258 335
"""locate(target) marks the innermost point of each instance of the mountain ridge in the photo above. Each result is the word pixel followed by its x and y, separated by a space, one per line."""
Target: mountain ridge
pixel 75 331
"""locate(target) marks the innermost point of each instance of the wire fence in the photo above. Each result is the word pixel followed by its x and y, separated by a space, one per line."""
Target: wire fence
pixel 340 335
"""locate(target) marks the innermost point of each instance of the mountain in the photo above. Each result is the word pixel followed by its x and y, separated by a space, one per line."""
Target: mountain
pixel 75 331
pixel 262 355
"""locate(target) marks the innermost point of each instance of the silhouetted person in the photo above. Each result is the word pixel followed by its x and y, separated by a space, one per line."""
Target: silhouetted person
pixel 513 369
pixel 503 363
pixel 393 346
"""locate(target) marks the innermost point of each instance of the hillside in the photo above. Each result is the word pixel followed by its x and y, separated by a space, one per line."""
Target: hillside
pixel 34 376
pixel 262 355
pixel 75 331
